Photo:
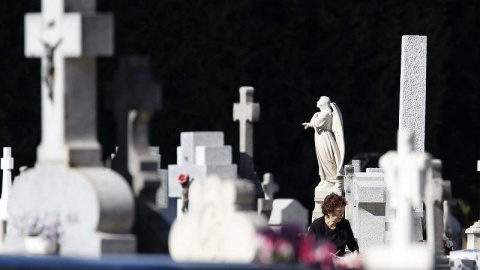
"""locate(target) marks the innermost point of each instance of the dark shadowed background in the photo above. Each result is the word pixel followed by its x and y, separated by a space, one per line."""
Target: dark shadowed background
pixel 292 52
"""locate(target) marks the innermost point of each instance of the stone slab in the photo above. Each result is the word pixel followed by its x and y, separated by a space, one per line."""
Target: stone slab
pixel 370 192
pixel 190 140
pixel 213 155
pixel 374 170
pixel 369 176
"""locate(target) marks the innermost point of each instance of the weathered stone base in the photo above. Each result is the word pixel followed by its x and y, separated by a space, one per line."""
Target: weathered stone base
pixel 95 208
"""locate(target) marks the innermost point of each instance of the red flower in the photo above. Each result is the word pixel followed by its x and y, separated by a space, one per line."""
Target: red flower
pixel 183 178
pixel 305 249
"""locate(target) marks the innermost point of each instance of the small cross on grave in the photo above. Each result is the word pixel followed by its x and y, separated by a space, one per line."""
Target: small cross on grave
pixel 68 42
pixel 269 186
pixel 246 112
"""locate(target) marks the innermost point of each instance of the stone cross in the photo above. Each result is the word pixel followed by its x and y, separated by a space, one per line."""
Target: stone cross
pixel 405 172
pixel 246 112
pixel 7 167
pixel 68 42
pixel 413 88
pixel 269 186
pixel 133 97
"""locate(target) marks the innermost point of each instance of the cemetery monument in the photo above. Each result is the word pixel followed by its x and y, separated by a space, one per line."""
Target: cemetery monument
pixel 95 205
pixel 330 150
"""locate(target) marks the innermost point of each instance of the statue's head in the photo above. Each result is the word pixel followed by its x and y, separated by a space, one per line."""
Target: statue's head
pixel 323 102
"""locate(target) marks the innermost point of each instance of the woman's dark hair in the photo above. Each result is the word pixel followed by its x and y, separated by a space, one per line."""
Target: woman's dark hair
pixel 332 202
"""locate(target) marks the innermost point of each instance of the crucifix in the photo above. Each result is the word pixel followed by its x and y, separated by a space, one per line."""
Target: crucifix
pixel 67 43
pixel 405 178
pixel 246 112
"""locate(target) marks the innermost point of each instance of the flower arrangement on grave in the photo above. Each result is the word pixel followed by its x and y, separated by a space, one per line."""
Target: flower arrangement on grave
pixel 42 232
pixel 185 181
pixel 448 245
pixel 290 245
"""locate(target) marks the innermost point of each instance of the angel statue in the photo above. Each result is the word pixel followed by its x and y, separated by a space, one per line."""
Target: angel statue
pixel 329 143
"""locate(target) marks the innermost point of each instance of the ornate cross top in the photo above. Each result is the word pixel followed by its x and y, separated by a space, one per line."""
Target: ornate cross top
pixel 269 186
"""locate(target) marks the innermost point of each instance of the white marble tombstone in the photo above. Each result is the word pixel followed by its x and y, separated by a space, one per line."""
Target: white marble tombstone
pixel 200 154
pixel 95 204
pixel 214 230
pixel 369 219
pixel 288 211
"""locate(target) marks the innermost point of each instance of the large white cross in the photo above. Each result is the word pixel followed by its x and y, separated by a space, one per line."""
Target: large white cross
pixel 405 173
pixel 246 112
pixel 67 44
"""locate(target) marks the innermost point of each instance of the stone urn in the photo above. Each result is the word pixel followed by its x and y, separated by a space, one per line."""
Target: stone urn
pixel 40 246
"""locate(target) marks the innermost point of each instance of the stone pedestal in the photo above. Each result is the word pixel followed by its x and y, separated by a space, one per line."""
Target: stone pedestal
pixel 95 207
pixel 473 236
pixel 321 192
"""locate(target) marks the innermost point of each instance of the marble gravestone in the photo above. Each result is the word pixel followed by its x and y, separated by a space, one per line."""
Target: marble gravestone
pixel 366 197
pixel 405 177
pixel 288 211
pixel 95 205
pixel 246 112
pixel 214 229
pixel 369 200
pixel 200 154
pixel 280 211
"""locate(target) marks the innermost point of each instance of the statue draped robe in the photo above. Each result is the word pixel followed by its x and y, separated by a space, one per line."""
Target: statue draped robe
pixel 326 146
